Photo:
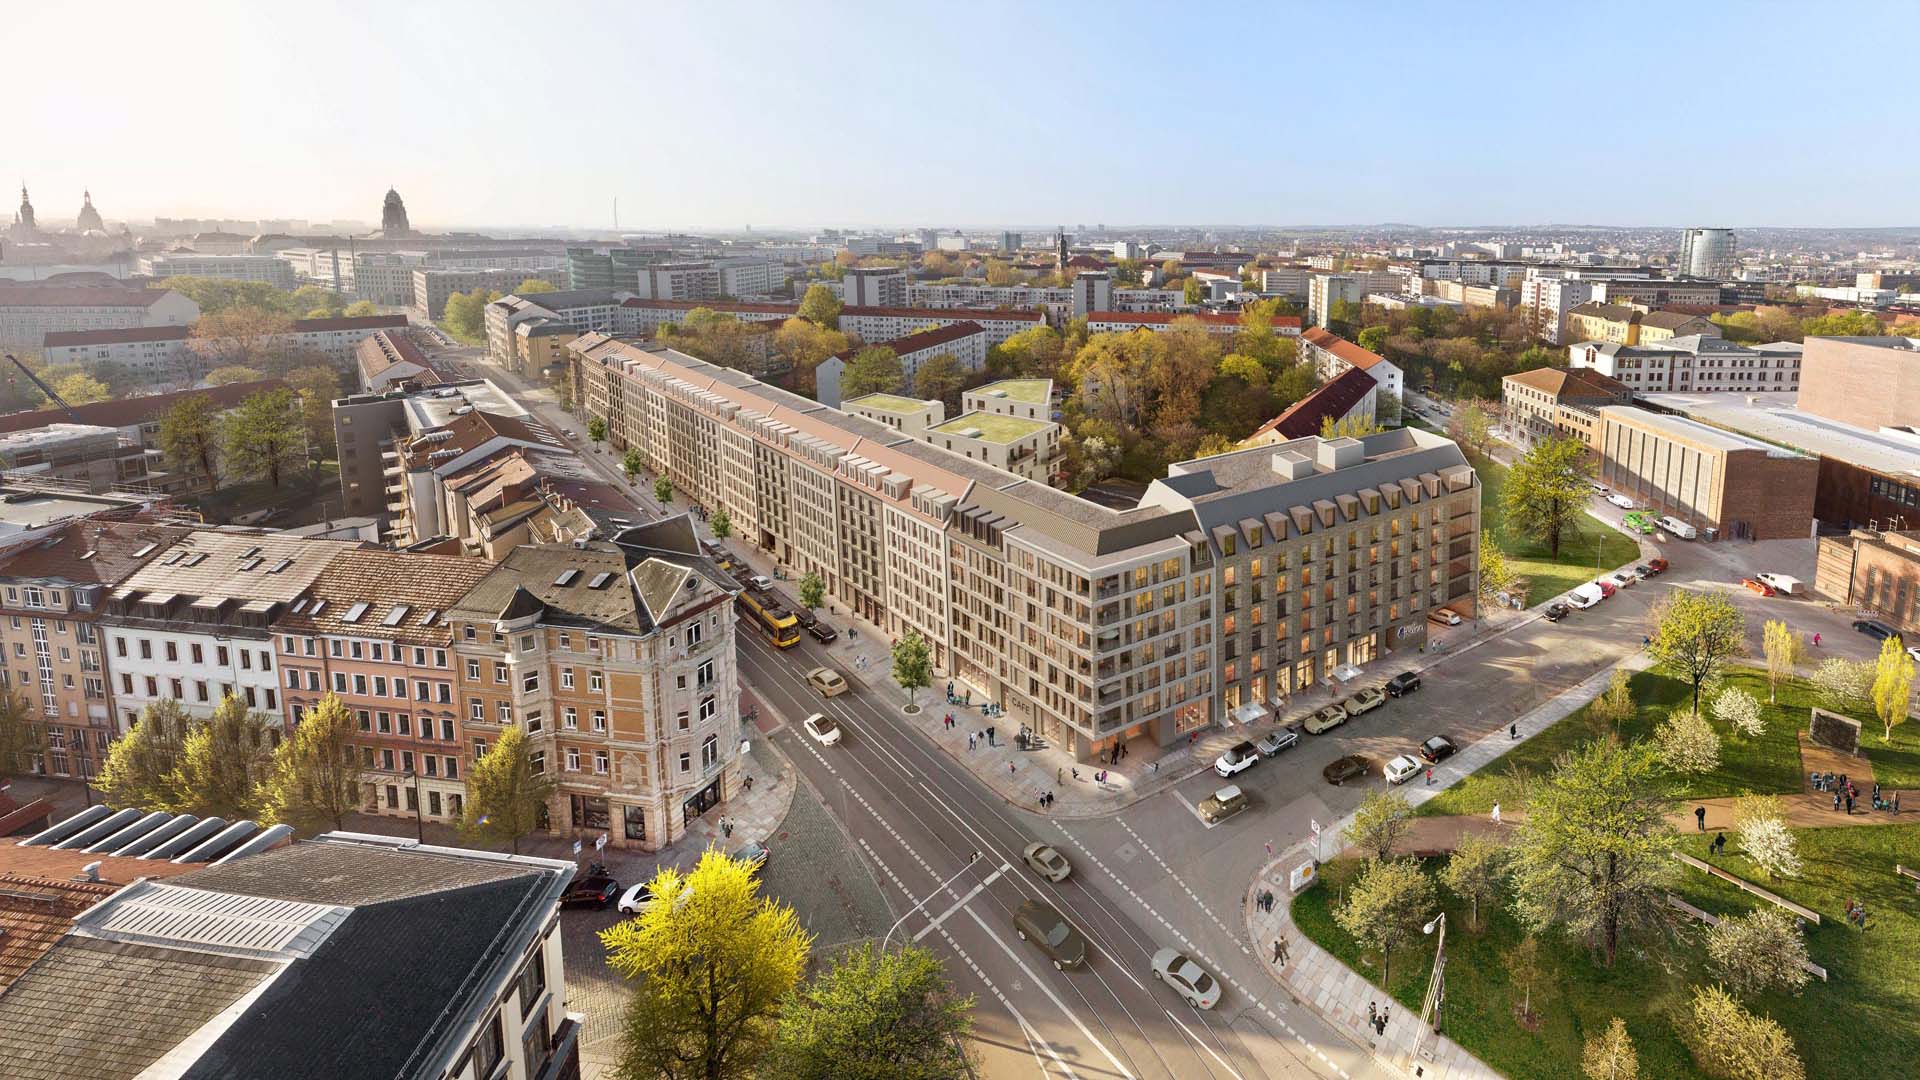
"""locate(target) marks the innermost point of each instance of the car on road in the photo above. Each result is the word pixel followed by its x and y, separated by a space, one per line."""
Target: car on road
pixel 1585 596
pixel 822 633
pixel 1622 579
pixel 1781 583
pixel 1188 979
pixel 804 616
pixel 1658 566
pixel 1606 586
pixel 754 854
pixel 639 898
pixel 1238 758
pixel 829 682
pixel 1401 769
pixel 1437 749
pixel 1875 629
pixel 1600 488
pixel 760 583
pixel 1326 719
pixel 1643 571
pixel 566 433
pixel 822 729
pixel 1046 860
pixel 1403 684
pixel 1271 745
pixel 1638 521
pixel 1557 611
pixel 1443 617
pixel 1364 702
pixel 1038 922
pixel 1757 585
pixel 1345 769
pixel 1620 501
pixel 1223 804
pixel 1914 651
pixel 595 889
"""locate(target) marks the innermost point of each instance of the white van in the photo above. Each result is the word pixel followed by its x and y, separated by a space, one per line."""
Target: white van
pixel 1585 596
pixel 1677 527
pixel 1781 583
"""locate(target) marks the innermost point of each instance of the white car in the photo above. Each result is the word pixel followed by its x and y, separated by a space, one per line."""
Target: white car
pixel 1238 758
pixel 1914 651
pixel 760 583
pixel 1402 769
pixel 1046 860
pixel 1622 579
pixel 822 729
pixel 639 898
pixel 1188 979
pixel 1620 501
pixel 1585 596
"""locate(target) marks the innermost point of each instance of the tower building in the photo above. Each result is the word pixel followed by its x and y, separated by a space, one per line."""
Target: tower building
pixel 393 216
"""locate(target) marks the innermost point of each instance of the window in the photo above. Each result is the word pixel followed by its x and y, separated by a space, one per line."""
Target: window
pixel 489 1048
pixel 566 678
pixel 530 682
pixel 573 759
pixel 340 682
pixel 479 750
pixel 595 681
pixel 693 634
pixel 680 720
pixel 599 720
pixel 704 677
pixel 710 752
pixel 505 711
pixel 119 644
pixel 708 707
pixel 220 655
pixel 199 656
pixel 535 720
pixel 570 718
pixel 453 770
pixel 634 819
pixel 600 762
pixel 246 660
pixel 686 762
pixel 146 649
pixel 173 653
pixel 476 709
pixel 537 761
pixel 473 670
pixel 499 673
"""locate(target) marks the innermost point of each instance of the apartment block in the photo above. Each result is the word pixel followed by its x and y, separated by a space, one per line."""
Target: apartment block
pixel 1092 291
pixel 1222 324
pixel 1023 447
pixel 678 281
pixel 880 287
pixel 1326 290
pixel 150 352
pixel 1088 624
pixel 1694 364
pixel 1331 354
pixel 909 416
pixel 266 269
pixel 28 313
pixel 576 310
pixel 432 285
pixel 1713 479
pixel 1548 299
pixel 1031 399
pixel 1560 403
pixel 890 324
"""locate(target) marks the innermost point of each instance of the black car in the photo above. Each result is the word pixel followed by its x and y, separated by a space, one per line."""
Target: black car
pixel 595 890
pixel 1402 684
pixel 1437 749
pixel 805 617
pixel 821 632
pixel 1874 628
pixel 1557 611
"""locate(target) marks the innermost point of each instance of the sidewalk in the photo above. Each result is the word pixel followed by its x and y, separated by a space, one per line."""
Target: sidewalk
pixel 1341 996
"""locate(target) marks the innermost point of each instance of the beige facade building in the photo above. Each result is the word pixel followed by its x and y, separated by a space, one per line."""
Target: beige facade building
pixel 1870 381
pixel 1560 402
pixel 1707 477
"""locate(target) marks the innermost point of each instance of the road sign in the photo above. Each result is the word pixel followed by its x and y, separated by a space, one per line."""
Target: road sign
pixel 600 842
pixel 576 849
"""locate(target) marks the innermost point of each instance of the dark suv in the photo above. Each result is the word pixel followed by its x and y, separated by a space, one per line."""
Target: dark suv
pixel 1403 684
pixel 1874 628
pixel 821 632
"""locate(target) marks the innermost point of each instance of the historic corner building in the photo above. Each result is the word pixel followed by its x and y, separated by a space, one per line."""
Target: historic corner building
pixel 1235 582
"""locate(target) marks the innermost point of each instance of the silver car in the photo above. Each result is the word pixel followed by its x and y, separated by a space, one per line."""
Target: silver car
pixel 1188 979
pixel 1046 860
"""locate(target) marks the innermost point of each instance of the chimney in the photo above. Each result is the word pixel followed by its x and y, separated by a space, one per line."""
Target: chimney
pixel 1292 465
pixel 1340 453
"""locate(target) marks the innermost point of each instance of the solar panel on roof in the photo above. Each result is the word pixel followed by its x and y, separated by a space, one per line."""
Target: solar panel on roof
pixel 566 576
pixel 393 617
pixel 353 613
pixel 599 580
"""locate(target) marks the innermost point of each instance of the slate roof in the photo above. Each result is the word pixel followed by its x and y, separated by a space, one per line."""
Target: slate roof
pixel 472 430
pixel 126 412
pixel 94 552
pixel 1667 320
pixel 536 568
pixel 402 590
pixel 123 336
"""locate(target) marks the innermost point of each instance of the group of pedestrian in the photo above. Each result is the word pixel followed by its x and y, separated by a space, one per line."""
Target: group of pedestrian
pixel 1719 844
pixel 1377 1018
pixel 1857 914
pixel 726 826
pixel 1264 901
pixel 1279 952
pixel 1046 799
pixel 1113 754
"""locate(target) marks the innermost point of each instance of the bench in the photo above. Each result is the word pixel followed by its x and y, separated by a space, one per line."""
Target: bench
pixel 1908 872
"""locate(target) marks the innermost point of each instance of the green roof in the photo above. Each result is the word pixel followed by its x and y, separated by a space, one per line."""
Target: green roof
pixel 1031 391
pixel 892 403
pixel 994 428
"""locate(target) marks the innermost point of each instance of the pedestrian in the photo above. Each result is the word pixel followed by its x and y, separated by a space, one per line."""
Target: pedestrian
pixel 1896 802
pixel 1373 1015
pixel 1496 813
pixel 1719 843
pixel 1269 844
pixel 1059 776
pixel 749 783
pixel 1279 952
pixel 1849 803
pixel 1384 1012
pixel 1009 768
pixel 1896 797
pixel 1429 777
pixel 990 738
pixel 1513 730
pixel 969 742
pixel 1816 641
pixel 1700 817
pixel 726 828
pixel 1076 774
pixel 1836 798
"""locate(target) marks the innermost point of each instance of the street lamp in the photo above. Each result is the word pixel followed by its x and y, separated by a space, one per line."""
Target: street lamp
pixel 971 859
pixel 1436 986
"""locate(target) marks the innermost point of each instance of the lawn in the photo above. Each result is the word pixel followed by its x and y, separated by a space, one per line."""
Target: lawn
pixel 1769 764
pixel 1860 1025
pixel 1590 550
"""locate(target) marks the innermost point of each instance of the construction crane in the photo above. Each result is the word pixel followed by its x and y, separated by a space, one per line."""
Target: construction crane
pixel 44 388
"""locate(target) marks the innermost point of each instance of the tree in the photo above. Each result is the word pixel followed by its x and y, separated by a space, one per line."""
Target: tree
pixel 912 664
pixel 1547 490
pixel 820 307
pixel 1760 951
pixel 1730 1042
pixel 1471 427
pixel 721 523
pixel 81 388
pixel 233 337
pixel 360 309
pixel 506 795
pixel 1845 685
pixel 874 370
pixel 597 430
pixel 1351 427
pixel 1373 339
pixel 315 301
pixel 465 315
pixel 317 385
pixel 662 490
pixel 21 738
pixel 1592 855
pixel 1687 743
pixel 1524 970
pixel 710 961
pixel 190 437
pixel 535 286
pixel 1892 684
pixel 141 765
pixel 1761 826
pixel 874 1016
pixel 1386 905
pixel 1610 1055
pixel 1784 650
pixel 1496 574
pixel 632 463
pixel 804 345
pixel 1616 706
pixel 940 378
pixel 1476 871
pixel 227 376
pixel 812 590
pixel 1696 633
pixel 1034 353
pixel 1843 324
pixel 1739 710
pixel 265 435
pixel 1378 824
pixel 315 781
pixel 1213 444
pixel 224 761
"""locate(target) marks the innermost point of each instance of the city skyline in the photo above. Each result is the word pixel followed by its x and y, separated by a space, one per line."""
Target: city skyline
pixel 1068 119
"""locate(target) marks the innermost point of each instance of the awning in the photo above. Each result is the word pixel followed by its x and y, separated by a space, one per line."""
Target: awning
pixel 1250 713
pixel 1346 673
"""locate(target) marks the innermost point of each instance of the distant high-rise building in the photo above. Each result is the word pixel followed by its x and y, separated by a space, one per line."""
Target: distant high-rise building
pixel 393 216
pixel 1707 253
pixel 88 218
pixel 1009 241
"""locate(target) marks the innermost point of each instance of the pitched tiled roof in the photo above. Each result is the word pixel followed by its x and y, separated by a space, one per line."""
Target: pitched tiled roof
pixel 1667 320
pixel 94 552
pixel 1086 262
pixel 939 335
pixel 469 431
pixel 1609 312
pixel 401 592
pixel 350 322
pixel 77 296
pixel 944 314
pixel 1335 399
pixel 1565 383
pixel 238 566
pixel 34 912
pixel 126 412
pixel 1346 350
pixel 124 336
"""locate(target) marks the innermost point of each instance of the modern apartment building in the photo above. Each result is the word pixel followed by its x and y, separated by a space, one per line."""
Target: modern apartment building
pixel 987 296
pixel 1548 299
pixel 432 285
pixel 1031 399
pixel 638 315
pixel 28 313
pixel 965 341
pixel 880 287
pixel 1694 364
pixel 1707 253
pixel 1236 579
pixel 1023 447
pixel 1326 290
pixel 618 660
pixel 150 352
pixel 366 427
pixel 267 269
pixel 1092 291
pixel 678 281
pixel 372 631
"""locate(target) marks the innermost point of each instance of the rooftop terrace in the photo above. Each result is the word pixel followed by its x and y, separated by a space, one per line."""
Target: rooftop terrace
pixel 992 427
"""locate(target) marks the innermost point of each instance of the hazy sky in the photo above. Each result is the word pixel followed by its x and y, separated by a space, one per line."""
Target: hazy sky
pixel 816 113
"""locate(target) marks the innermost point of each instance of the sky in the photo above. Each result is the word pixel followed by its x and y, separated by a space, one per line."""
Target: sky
pixel 819 113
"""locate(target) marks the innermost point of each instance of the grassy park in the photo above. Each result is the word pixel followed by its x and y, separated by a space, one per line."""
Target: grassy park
pixel 1591 545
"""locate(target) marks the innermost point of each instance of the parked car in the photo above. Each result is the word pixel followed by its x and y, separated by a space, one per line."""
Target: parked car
pixel 1223 804
pixel 1620 501
pixel 754 854
pixel 1271 745
pixel 1639 522
pixel 760 583
pixel 1606 586
pixel 1782 583
pixel 1403 684
pixel 1401 769
pixel 1601 489
pixel 823 633
pixel 1046 860
pixel 1437 749
pixel 1443 617
pixel 822 729
pixel 804 616
pixel 1677 527
pixel 1585 596
pixel 829 682
pixel 1238 758
pixel 1188 979
pixel 1622 578
pixel 1643 571
pixel 594 889
pixel 636 899
pixel 1330 717
pixel 1757 585
pixel 1658 566
pixel 1557 611
pixel 1037 921
pixel 1345 769
pixel 1875 629
pixel 1364 702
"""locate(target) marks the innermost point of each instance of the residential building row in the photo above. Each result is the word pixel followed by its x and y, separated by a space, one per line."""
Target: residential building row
pixel 965 341
pixel 1695 363
pixel 29 312
pixel 1006 424
pixel 160 352
pixel 1235 582
pixel 266 269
